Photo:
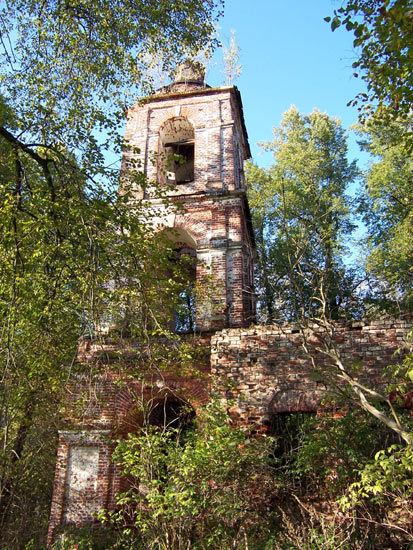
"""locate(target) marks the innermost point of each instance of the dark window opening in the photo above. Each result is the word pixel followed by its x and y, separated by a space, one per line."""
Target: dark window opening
pixel 167 414
pixel 288 429
pixel 180 161
pixel 184 312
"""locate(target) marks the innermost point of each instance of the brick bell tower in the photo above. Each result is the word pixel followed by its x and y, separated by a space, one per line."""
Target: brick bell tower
pixel 193 137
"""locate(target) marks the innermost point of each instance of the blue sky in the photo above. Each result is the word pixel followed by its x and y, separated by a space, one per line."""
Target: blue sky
pixel 289 56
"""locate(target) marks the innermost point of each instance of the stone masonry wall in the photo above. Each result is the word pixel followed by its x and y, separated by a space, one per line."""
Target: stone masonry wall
pixel 266 370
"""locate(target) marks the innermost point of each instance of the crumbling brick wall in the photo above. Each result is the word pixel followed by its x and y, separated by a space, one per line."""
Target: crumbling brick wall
pixel 265 369
pixel 101 409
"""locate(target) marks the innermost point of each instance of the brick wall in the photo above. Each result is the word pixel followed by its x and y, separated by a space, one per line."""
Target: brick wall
pixel 264 369
pixel 269 372
pixel 216 116
pixel 101 409
pixel 82 478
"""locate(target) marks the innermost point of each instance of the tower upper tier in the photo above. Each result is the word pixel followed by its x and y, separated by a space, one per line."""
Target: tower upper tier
pixel 190 135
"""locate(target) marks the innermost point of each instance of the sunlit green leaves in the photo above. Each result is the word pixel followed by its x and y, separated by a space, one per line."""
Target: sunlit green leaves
pixel 205 486
pixel 76 259
pixel 302 215
pixel 383 40
pixel 386 203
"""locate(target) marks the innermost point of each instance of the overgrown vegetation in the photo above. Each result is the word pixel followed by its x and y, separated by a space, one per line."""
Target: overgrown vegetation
pixel 201 484
pixel 75 258
pixel 317 482
pixel 361 464
pixel 77 262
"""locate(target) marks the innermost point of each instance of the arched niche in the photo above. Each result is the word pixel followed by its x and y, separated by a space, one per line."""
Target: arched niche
pixel 151 409
pixel 169 411
pixel 177 148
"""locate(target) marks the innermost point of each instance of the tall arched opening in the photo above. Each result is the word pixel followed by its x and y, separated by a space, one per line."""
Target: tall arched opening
pixel 183 262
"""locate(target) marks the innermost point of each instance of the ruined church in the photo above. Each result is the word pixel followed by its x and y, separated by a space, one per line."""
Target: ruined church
pixel 267 367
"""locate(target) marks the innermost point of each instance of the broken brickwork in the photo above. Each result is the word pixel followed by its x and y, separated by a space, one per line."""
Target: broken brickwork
pixel 104 408
pixel 266 371
pixel 261 371
pixel 192 140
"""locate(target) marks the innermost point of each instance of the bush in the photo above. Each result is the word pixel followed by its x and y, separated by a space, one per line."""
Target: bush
pixel 203 486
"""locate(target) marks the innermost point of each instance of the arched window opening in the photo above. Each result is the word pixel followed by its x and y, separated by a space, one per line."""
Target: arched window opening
pixel 178 150
pixel 289 431
pixel 185 304
pixel 182 277
pixel 163 418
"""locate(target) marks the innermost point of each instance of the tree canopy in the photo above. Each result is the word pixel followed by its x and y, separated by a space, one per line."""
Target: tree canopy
pixel 76 261
pixel 383 41
pixel 70 69
pixel 302 214
pixel 386 203
pixel 75 258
